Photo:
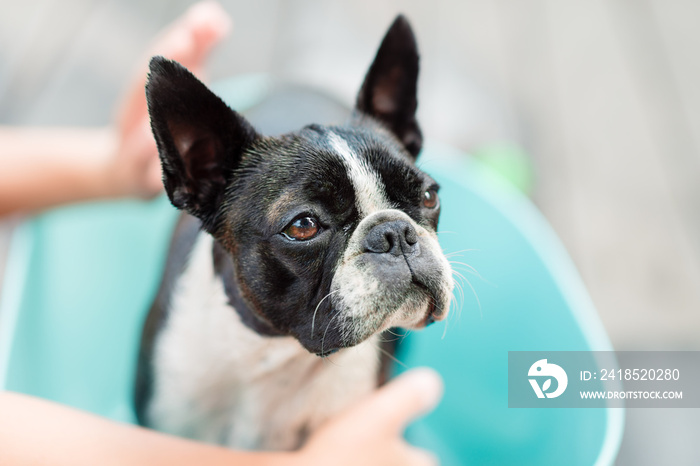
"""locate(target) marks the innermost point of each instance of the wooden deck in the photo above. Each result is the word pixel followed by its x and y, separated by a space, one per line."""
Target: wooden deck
pixel 604 95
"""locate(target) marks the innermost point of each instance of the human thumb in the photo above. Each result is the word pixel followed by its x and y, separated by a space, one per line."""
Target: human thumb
pixel 404 398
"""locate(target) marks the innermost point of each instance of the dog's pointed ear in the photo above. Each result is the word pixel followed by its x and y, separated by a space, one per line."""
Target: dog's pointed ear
pixel 389 91
pixel 200 139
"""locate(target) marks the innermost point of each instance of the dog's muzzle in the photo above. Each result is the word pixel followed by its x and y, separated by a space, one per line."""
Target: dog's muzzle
pixel 393 274
pixel 393 246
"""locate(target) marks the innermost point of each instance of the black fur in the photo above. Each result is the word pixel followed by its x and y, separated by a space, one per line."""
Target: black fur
pixel 224 268
pixel 200 139
pixel 389 92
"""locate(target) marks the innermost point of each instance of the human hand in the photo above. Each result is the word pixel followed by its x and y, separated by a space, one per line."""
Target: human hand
pixel 370 433
pixel 134 169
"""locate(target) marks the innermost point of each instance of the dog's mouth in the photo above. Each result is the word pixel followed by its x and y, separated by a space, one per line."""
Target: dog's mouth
pixel 327 353
pixel 433 313
pixel 430 315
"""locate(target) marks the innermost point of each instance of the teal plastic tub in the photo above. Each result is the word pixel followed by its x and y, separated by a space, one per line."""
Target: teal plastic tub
pixel 80 280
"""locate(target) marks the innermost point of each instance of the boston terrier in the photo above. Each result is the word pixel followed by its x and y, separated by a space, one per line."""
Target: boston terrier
pixel 289 249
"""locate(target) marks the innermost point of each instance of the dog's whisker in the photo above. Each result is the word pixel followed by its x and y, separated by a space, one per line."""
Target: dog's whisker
pixel 460 252
pixel 444 329
pixel 392 357
pixel 458 310
pixel 461 279
pixel 458 282
pixel 383 339
pixel 458 285
pixel 472 271
pixel 323 339
pixel 460 289
pixel 389 330
pixel 423 160
pixel 313 319
pixel 402 337
pixel 464 264
pixel 469 269
pixel 328 360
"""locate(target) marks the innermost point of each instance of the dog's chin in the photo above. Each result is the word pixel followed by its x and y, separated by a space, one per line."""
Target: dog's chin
pixel 421 308
pixel 417 314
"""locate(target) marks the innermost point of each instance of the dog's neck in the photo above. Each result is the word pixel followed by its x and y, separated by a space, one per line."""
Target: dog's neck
pixel 221 377
pixel 224 268
pixel 204 295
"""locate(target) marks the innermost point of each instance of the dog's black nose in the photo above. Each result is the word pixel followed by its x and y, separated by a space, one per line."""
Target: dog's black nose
pixel 396 237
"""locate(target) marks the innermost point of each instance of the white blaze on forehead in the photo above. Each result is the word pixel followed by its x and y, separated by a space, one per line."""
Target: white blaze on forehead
pixel 369 191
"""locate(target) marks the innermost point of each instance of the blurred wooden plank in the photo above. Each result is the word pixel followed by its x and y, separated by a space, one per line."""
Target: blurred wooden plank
pixel 19 24
pixel 99 64
pixel 251 46
pixel 667 103
pixel 471 98
pixel 672 104
pixel 677 23
pixel 671 84
pixel 627 232
pixel 41 52
pixel 532 79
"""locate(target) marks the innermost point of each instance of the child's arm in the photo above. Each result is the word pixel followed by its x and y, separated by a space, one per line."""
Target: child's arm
pixel 39 432
pixel 45 167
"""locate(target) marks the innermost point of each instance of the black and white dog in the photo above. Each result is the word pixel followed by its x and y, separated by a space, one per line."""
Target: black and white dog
pixel 291 248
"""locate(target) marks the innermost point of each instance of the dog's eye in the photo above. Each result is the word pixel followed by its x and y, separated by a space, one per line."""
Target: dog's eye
pixel 430 198
pixel 301 229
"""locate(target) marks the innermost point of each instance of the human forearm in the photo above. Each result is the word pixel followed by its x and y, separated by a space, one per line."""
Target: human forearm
pixel 44 167
pixel 38 432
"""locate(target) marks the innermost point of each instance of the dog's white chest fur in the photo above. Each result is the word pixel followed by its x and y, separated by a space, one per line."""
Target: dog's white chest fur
pixel 217 381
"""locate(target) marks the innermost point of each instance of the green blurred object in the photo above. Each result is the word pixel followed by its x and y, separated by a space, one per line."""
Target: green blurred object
pixel 80 280
pixel 510 161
